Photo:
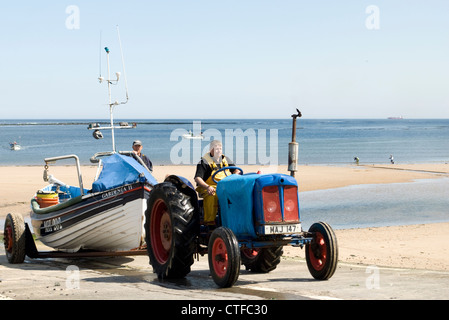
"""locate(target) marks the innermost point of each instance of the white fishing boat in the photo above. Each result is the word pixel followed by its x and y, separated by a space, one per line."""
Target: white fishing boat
pixel 14 146
pixel 106 218
pixel 190 135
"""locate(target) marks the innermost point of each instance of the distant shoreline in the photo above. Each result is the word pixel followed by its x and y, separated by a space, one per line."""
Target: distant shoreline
pixel 21 182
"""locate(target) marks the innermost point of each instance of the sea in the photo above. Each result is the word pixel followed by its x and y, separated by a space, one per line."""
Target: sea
pixel 247 141
pixel 266 142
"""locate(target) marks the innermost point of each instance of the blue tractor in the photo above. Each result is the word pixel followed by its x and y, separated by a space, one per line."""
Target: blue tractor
pixel 258 215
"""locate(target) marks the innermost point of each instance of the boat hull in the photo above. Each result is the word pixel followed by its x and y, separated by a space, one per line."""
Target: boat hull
pixel 110 220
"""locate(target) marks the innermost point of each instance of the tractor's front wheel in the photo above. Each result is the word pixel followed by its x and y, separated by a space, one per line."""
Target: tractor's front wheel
pixel 322 252
pixel 170 229
pixel 224 257
pixel 14 238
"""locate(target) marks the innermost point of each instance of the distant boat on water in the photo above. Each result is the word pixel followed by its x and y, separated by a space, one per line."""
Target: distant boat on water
pixel 395 118
pixel 190 135
pixel 14 146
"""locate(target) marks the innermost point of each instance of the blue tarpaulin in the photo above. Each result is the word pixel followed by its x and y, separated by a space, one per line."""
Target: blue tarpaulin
pixel 119 170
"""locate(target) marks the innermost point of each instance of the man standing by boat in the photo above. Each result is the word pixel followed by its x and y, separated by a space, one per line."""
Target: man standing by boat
pixel 137 147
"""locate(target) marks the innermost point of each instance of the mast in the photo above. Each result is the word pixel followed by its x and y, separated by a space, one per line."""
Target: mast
pixel 95 126
pixel 111 106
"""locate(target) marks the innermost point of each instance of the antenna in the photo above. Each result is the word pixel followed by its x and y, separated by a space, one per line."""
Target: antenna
pixel 123 64
pixel 99 66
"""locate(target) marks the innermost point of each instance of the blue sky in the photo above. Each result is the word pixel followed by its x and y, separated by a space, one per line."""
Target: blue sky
pixel 228 59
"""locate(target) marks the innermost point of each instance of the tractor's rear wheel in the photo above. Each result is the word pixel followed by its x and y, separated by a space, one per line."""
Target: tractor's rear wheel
pixel 224 257
pixel 322 252
pixel 262 260
pixel 14 238
pixel 170 229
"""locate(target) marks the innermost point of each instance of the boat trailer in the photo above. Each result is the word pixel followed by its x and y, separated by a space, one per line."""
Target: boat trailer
pixel 32 252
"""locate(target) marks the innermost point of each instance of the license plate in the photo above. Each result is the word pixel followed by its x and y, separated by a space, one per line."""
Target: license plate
pixel 282 228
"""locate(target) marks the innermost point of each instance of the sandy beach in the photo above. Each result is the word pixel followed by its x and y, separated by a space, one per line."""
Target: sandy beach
pixel 417 246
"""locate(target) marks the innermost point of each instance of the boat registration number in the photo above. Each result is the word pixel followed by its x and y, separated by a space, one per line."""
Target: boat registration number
pixel 52 225
pixel 282 228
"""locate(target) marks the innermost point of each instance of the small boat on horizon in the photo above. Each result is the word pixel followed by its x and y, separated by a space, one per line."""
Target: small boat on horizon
pixel 14 146
pixel 395 118
pixel 190 135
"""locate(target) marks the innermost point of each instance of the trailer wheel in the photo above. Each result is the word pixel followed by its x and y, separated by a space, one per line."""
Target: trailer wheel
pixel 322 252
pixel 171 226
pixel 14 238
pixel 224 257
pixel 262 260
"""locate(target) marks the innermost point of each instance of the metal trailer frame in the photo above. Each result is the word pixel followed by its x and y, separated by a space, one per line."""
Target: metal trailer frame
pixel 32 252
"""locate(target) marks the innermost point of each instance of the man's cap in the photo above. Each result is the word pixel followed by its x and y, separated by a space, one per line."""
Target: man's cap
pixel 137 143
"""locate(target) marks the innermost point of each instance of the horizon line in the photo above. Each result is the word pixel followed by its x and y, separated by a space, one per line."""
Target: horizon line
pixel 244 118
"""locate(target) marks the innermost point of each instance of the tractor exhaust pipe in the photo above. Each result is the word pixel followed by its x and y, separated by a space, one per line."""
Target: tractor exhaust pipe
pixel 293 147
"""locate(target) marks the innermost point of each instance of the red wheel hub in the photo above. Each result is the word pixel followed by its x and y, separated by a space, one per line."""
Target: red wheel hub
pixel 220 257
pixel 318 252
pixel 250 253
pixel 161 231
pixel 8 240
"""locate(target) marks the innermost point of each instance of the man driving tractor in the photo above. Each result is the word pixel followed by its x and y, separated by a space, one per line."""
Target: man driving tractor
pixel 206 187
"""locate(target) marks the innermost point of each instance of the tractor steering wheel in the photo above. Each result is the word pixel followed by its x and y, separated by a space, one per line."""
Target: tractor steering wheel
pixel 225 168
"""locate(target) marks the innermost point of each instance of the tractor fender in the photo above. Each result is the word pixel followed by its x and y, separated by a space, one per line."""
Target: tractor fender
pixel 185 187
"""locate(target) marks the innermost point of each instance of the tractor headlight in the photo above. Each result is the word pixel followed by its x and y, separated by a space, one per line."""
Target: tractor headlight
pixel 271 203
pixel 271 206
pixel 289 205
pixel 291 212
